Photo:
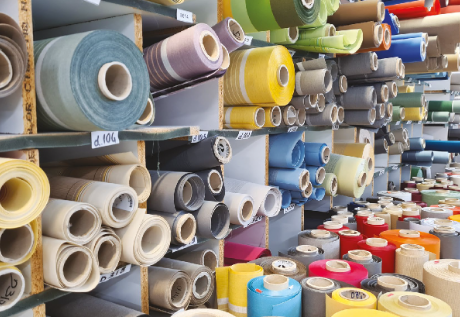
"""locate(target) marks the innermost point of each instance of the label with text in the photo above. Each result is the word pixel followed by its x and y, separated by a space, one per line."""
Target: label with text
pixel 184 16
pixel 243 135
pixel 293 129
pixel 124 202
pixel 200 137
pixel 118 272
pixel 398 122
pixel 381 172
pixel 335 126
pixel 394 168
pixel 289 209
pixel 247 40
pixel 256 219
pixel 104 138
pixel 193 242
pixel 8 289
pixel 409 122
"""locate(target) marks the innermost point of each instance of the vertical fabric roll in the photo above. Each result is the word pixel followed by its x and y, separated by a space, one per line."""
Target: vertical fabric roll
pixel 213 220
pixel 250 118
pixel 306 254
pixel 69 61
pixel 347 13
pixel 243 87
pixel 181 224
pixel 316 154
pixel 326 240
pixel 350 174
pixel 241 208
pixel 314 293
pixel 106 245
pixel 349 241
pixel 372 263
pixel 167 69
pixel 360 150
pixel 410 259
pixel 230 33
pixel 373 226
pixel 391 282
pixel 340 270
pixel 310 82
pixel 287 267
pixel 407 304
pixel 286 150
pixel 382 249
pixel 398 237
pixel 359 98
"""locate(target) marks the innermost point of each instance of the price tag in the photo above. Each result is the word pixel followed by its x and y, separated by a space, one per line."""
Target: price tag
pixel 243 135
pixel 381 172
pixel 123 270
pixel 289 209
pixel 398 122
pixel 193 242
pixel 291 52
pixel 256 219
pixel 95 2
pixel 200 137
pixel 104 138
pixel 335 126
pixel 293 129
pixel 247 40
pixel 409 122
pixel 321 55
pixel 184 16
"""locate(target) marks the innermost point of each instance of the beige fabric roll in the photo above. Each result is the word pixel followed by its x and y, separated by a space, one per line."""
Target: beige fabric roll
pixel 115 203
pixel 356 12
pixel 204 257
pixel 182 225
pixel 106 247
pixel 69 267
pixel 419 67
pixel 169 288
pixel 372 33
pixel 73 221
pixel 310 82
pixel 201 276
pixel 453 62
pixel 241 207
pixel 410 259
pixel 325 118
pixel 433 48
pixel 145 240
pixel 213 220
pixel 396 148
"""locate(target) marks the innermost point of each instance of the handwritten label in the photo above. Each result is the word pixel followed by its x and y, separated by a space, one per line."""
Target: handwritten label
pixel 321 55
pixel 409 122
pixel 381 172
pixel 293 129
pixel 200 137
pixel 124 202
pixel 104 138
pixel 193 242
pixel 184 16
pixel 256 219
pixel 394 168
pixel 247 40
pixel 398 122
pixel 291 52
pixel 420 122
pixel 95 2
pixel 289 209
pixel 335 126
pixel 123 270
pixel 243 135
pixel 9 291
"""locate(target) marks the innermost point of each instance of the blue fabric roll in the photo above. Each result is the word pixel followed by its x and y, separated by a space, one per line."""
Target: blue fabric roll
pixel 430 76
pixel 319 193
pixel 409 50
pixel 286 198
pixel 313 153
pixel 417 156
pixel 297 198
pixel 441 157
pixel 286 178
pixel 408 36
pixel 446 146
pixel 416 144
pixel 313 171
pixel 390 19
pixel 422 164
pixel 265 302
pixel 286 150
pixel 352 206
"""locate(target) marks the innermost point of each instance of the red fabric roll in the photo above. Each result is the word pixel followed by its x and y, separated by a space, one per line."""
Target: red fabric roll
pixel 373 231
pixel 334 230
pixel 421 204
pixel 241 253
pixel 349 242
pixel 417 196
pixel 360 222
pixel 404 217
pixel 408 185
pixel 414 9
pixel 354 276
pixel 386 253
pixel 450 9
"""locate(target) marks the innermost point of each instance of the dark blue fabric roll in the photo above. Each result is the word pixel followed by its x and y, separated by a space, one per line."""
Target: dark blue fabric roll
pixel 390 19
pixel 417 156
pixel 409 50
pixel 446 146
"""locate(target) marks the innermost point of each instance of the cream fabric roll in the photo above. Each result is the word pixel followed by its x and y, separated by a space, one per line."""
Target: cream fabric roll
pixel 241 207
pixel 116 203
pixel 410 259
pixel 13 286
pixel 145 240
pixel 213 220
pixel 73 221
pixel 182 225
pixel 204 257
pixel 169 288
pixel 396 148
pixel 69 267
pixel 106 247
pixel 18 244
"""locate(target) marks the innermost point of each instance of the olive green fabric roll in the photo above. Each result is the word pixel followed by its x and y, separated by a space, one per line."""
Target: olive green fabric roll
pixel 397 113
pixel 444 105
pixel 409 100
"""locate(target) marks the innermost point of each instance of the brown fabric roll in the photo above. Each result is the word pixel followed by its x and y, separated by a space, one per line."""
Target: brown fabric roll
pixel 372 33
pixel 418 68
pixel 434 47
pixel 357 12
pixel 453 61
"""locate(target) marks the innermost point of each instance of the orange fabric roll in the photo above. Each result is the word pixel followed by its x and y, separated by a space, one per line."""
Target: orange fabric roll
pixel 455 218
pixel 455 209
pixel 386 43
pixel 454 3
pixel 414 9
pixel 430 242
pixel 450 9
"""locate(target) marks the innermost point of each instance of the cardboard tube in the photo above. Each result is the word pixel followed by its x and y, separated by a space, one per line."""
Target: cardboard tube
pixel 114 80
pixel 241 207
pixel 106 246
pixel 17 244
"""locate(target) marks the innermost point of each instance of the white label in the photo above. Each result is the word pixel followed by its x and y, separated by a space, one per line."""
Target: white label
pixel 394 168
pixel 200 137
pixel 381 172
pixel 321 55
pixel 184 16
pixel 124 202
pixel 247 40
pixel 398 122
pixel 420 122
pixel 291 52
pixel 243 135
pixel 95 2
pixel 178 312
pixel 289 209
pixel 293 129
pixel 123 270
pixel 104 138
pixel 193 242
pixel 256 219
pixel 335 126
pixel 409 122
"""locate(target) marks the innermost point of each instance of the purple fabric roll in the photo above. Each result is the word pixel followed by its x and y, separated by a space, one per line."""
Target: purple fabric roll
pixel 186 55
pixel 230 34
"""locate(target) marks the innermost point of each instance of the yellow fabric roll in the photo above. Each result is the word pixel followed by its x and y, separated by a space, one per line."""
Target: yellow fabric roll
pixel 24 193
pixel 349 297
pixel 408 304
pixel 363 312
pixel 330 184
pixel 268 80
pixel 350 172
pixel 414 114
pixel 18 244
pixel 250 118
pixel 406 89
pixel 231 283
pixel 272 117
pixel 360 150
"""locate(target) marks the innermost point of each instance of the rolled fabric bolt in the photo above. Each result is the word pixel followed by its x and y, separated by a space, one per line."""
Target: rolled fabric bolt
pixel 289 116
pixel 326 240
pixel 383 92
pixel 305 254
pixel 399 113
pixel 297 179
pixel 410 259
pixel 392 89
pixel 390 282
pixel 373 11
pixel 284 36
pixel 251 117
pixel 320 106
pixel 399 237
pixel 300 117
pixel 380 111
pixel 288 267
pixel 388 69
pixel 213 220
pixel 365 63
pixel 204 257
pixel 453 63
pixel 330 184
pixel 360 117
pixel 436 212
pixel 349 241
pixel 286 198
pixel 182 225
pixel 410 100
pixel 381 146
pixel 340 270
pixel 414 114
pixel 313 82
pixel 311 101
pixel 316 154
pixel 18 244
pixel 401 135
pixel 340 86
pixel 417 144
pixel 106 245
pixel 372 263
pixel 230 34
pixel 316 174
pixel 350 186
pixel 381 248
pixel 273 117
pixel 286 150
pixel 241 208
pixel 372 33
pixel 326 118
pixel 214 184
pixel 359 98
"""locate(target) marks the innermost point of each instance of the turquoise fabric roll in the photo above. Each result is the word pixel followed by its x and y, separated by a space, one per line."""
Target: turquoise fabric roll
pixel 313 155
pixel 446 146
pixel 265 302
pixel 68 94
pixel 286 150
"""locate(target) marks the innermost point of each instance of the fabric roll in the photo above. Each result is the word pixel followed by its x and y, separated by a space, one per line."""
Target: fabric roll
pixel 293 179
pixel 204 257
pixel 316 154
pixel 393 21
pixel 388 69
pixel 286 150
pixel 213 184
pixel 310 82
pixel 433 197
pixel 440 116
pixel 372 263
pixel 398 237
pixel 417 156
pixel 76 106
pixel 305 254
pixel 333 226
pixel 286 198
pixel 343 42
pixel 360 150
pixel 275 89
pixel 373 226
pixel 382 249
pixel 106 245
pixel 195 157
pixel 453 65
pixel 242 253
pixel 213 220
pixel 249 118
pixel 359 98
pixel 399 113
pixel 346 298
pixel 372 33
pixel 349 241
pixel 314 292
pixel 417 144
pixel 406 304
pixel 340 270
pixel 178 285
pixel 316 174
pixel 389 282
pixel 382 92
pixel 369 11
pixel 230 34
pixel 284 36
pixel 326 118
pixel 436 212
pixel 362 312
pixel 409 100
pixel 241 208
pixel 434 47
pixel 272 117
pixel 350 172
pixel 289 116
pixel 414 9
pixel 443 105
pixel 449 239
pixel 330 185
pixel 328 241
pixel 381 146
pixel 413 114
pixel 340 86
pixel 182 226
pixel 288 267
pixel 322 31
pixel 410 259
pixel 448 146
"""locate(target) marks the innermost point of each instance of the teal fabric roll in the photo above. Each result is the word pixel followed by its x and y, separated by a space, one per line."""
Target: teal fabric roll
pixel 68 95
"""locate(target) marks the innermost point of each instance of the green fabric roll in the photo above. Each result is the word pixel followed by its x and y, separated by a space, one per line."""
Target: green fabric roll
pixel 332 6
pixel 416 171
pixel 432 197
pixel 322 31
pixel 282 36
pixel 261 15
pixel 438 116
pixel 409 100
pixel 292 12
pixel 440 105
pixel 240 14
pixel 456 106
pixel 396 113
pixel 321 19
pixel 344 42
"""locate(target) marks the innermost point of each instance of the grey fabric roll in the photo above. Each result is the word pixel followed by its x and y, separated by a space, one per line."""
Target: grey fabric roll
pixel 330 245
pixel 330 96
pixel 325 118
pixel 358 64
pixel 333 68
pixel 373 266
pixel 360 117
pixel 213 220
pixel 393 89
pixel 68 95
pixel 309 82
pixel 213 183
pixel 449 244
pixel 305 258
pixel 204 257
pixel 381 146
pixel 389 69
pixel 195 157
pixel 382 92
pixel 359 98
pixel 80 304
pixel 314 299
pixel 340 86
pixel 440 213
pixel 370 284
pixel 299 101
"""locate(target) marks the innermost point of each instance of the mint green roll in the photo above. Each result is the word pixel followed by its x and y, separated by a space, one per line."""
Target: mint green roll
pixel 409 100
pixel 438 116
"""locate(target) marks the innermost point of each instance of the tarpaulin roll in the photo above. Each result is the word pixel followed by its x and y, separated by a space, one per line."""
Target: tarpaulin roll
pixel 328 241
pixel 212 220
pixel 241 253
pixel 340 270
pixel 243 87
pixel 410 50
pixel 372 33
pixel 291 179
pixel 359 98
pixel 410 259
pixel 241 208
pixel 343 42
pixel 284 36
pixel 182 225
pixel 231 286
pixel 283 266
pixel 305 254
pixel 106 245
pixel 358 64
pixel 249 118
pixel 372 263
pixel 393 21
pixel 194 157
pixel 345 298
pixel 349 13
pixel 286 150
pixel 213 184
pixel 350 172
pixel 398 237
pixel 406 304
pixel 230 33
pixel 414 9
pixel 272 296
pixel 73 63
pixel 390 282
pixel 316 154
pixel 326 118
pixel 317 81
pixel 382 249
pixel 75 305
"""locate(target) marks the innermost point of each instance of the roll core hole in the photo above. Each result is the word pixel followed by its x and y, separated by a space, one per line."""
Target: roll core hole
pixel 340 115
pixel 107 255
pixel 304 179
pixel 392 282
pixel 219 220
pixel 290 115
pixel 372 115
pixel 326 154
pixel 381 108
pixel 270 203
pixel 225 59
pixel 236 30
pixel 16 243
pixel 334 185
pixel 283 76
pixel 385 93
pixel 378 30
pixel 415 302
pixel 223 150
pixel 343 84
pixel 308 3
pixel 276 279
pixel 320 175
pixel 320 283
pixel 6 70
pixel 301 116
pixel 76 267
pixel 259 117
pixel 147 114
pixel 246 211
pixel 402 113
pixel 201 286
pixel 332 30
pixel 334 114
pixel 81 223
pixel 389 110
pixel 187 192
pixel 308 191
pixel 210 46
pixel 337 266
pixel 276 116
pixel 327 81
pixel 381 11
pixel 210 260
pixel 374 61
pixel 6 282
pixel 187 230
pixel 293 34
pixel 387 36
pixel 313 99
pixel 215 182
pixel 15 194
pixel 115 82
pixel 307 249
pixel 362 179
pixel 178 292
pixel 423 49
pixel 321 102
pixel 151 239
pixel 118 213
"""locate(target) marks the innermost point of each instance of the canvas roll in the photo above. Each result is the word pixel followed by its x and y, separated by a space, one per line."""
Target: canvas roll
pixel 453 63
pixel 116 203
pixel 316 174
pixel 326 118
pixel 410 100
pixel 285 35
pixel 106 246
pixel 330 184
pixel 347 13
pixel 317 154
pixel 204 257
pixel 383 249
pixel 449 239
pixel 413 114
pixel 310 82
pixel 69 61
pixel 360 150
pixel 388 69
pixel 213 184
pixel 410 259
pixel 438 116
pixel 182 226
pixel 275 89
pixel 75 222
pixel 359 98
pixel 213 220
pixel 385 43
pixel 340 86
pixel 328 241
pixel 350 172
pixel 425 66
pixel 372 33
pixel 407 304
pixel 288 267
pixel 249 118
pixel 389 282
pixel 241 208
pixel 444 105
pixel 346 298
pixel 314 292
pixel 448 146
pixel 398 237
pixel 230 33
pixel 273 117
pixel 74 305
pixel 373 226
pixel 69 267
pixel 294 179
pixel 267 200
pixel 372 263
pixel 349 241
pixel 434 47
pixel 194 157
pixel 305 254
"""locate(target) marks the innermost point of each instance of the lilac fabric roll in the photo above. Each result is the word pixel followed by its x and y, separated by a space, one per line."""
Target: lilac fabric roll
pixel 230 34
pixel 186 55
